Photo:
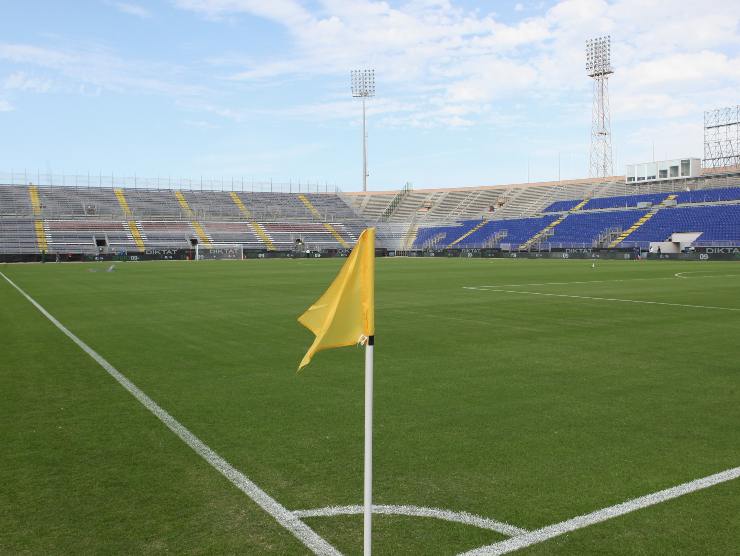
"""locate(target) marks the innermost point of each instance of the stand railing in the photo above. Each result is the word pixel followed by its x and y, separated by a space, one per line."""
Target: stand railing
pixel 397 200
pixel 98 179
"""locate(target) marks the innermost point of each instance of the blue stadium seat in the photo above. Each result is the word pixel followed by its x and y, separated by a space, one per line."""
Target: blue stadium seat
pixel 624 201
pixel 717 223
pixel 585 227
pixel 709 195
pixel 562 206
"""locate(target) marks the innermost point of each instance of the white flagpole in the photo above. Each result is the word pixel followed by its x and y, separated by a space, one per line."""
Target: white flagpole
pixel 368 499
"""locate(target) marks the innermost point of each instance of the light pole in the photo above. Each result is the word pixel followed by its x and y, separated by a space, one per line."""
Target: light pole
pixel 363 86
pixel 598 67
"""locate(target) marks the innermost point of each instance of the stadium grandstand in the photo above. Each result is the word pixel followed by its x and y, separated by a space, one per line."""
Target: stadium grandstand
pixel 604 213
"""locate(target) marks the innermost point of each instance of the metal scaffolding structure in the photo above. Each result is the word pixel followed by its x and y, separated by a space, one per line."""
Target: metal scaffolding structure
pixel 722 137
pixel 598 67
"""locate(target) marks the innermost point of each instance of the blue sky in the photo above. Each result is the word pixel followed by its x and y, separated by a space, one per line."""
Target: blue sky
pixel 468 93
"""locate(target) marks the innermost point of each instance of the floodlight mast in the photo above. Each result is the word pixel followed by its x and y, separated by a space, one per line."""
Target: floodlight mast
pixel 598 67
pixel 722 137
pixel 363 86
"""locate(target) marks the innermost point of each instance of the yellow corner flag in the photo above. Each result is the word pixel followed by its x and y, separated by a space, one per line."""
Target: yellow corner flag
pixel 345 314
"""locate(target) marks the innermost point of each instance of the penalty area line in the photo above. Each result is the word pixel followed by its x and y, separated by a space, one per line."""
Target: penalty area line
pixel 591 298
pixel 546 533
pixel 286 518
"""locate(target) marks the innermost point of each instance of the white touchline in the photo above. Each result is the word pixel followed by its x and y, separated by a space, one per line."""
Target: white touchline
pixel 282 515
pixel 540 535
pixel 419 511
pixel 676 275
pixel 567 283
pixel 604 299
pixel 681 274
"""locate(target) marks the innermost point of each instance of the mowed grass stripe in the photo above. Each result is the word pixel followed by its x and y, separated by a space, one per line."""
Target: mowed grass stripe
pixel 284 517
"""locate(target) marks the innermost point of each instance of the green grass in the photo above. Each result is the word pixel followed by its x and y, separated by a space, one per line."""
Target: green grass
pixel 521 408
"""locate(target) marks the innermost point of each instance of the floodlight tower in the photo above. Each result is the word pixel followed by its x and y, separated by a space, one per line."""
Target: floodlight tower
pixel 363 86
pixel 598 66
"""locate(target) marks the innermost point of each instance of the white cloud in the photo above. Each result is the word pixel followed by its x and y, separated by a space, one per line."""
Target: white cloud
pixel 438 64
pixel 131 9
pixel 200 124
pixel 698 68
pixel 21 81
pixel 284 11
pixel 671 139
pixel 35 55
pixel 5 106
pixel 443 56
pixel 93 68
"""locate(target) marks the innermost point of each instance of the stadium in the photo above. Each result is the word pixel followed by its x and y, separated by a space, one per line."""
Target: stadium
pixel 556 365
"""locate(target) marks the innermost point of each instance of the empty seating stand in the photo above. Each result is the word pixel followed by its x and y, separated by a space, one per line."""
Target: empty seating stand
pixel 720 194
pixel 717 224
pixel 623 201
pixel 79 236
pixel 513 231
pixel 603 218
pixel 80 219
pixel 562 206
pixel 234 232
pixel 167 233
pixel 14 201
pixel 18 236
pixel 583 229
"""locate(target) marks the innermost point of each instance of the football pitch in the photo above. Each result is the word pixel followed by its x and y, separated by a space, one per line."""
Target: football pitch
pixel 511 396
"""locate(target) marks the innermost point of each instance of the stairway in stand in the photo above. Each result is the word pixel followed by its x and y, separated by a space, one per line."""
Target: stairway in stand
pixel 644 218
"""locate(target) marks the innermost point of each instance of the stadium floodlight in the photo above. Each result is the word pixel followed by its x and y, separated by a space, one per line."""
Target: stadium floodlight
pixel 363 87
pixel 598 56
pixel 363 83
pixel 598 67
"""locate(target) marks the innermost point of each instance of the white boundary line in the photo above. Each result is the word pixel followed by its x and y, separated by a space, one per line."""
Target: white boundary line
pixel 419 511
pixel 575 282
pixel 546 533
pixel 681 274
pixel 676 275
pixel 282 515
pixel 604 299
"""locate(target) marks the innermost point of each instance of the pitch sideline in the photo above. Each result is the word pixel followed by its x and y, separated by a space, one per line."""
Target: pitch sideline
pixel 676 275
pixel 591 298
pixel 604 514
pixel 286 518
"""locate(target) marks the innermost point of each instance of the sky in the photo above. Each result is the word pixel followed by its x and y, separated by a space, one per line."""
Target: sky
pixel 468 93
